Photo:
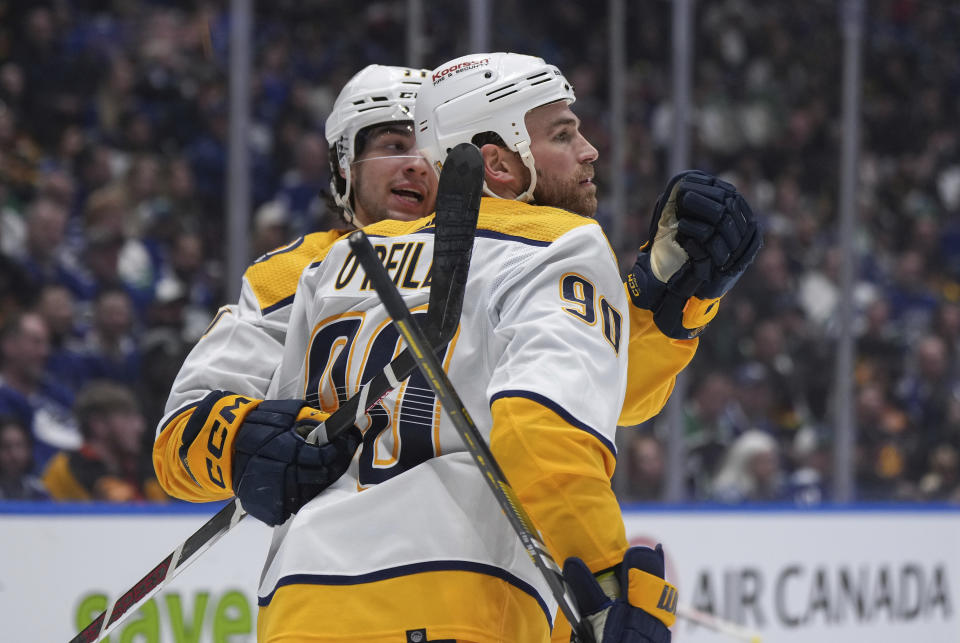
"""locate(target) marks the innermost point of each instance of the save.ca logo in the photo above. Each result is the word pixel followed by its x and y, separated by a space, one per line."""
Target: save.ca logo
pixel 172 617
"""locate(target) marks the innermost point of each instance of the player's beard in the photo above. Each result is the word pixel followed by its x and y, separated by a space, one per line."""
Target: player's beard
pixel 566 193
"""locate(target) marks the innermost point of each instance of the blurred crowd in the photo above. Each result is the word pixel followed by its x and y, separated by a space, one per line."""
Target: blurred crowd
pixel 761 409
pixel 113 145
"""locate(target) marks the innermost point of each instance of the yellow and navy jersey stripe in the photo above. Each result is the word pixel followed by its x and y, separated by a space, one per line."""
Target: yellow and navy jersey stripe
pixel 568 417
pixel 409 570
pixel 273 277
pixel 476 607
pixel 499 219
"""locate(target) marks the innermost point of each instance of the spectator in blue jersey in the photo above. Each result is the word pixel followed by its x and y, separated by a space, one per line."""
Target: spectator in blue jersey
pixel 114 255
pixel 29 393
pixel 111 350
pixel 913 302
pixel 17 482
pixel 57 307
pixel 187 273
pixel 44 256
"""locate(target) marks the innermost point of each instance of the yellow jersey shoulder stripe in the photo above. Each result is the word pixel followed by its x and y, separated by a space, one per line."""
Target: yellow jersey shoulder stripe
pixel 499 218
pixel 392 228
pixel 274 276
pixel 537 225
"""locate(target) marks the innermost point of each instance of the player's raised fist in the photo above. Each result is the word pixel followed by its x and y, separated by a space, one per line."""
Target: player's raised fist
pixel 703 236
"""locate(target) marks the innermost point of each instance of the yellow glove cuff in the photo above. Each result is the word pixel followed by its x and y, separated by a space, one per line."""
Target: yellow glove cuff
pixel 209 459
pixel 653 595
pixel 699 312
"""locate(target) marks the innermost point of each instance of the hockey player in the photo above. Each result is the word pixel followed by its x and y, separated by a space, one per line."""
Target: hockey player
pixel 409 544
pixel 376 173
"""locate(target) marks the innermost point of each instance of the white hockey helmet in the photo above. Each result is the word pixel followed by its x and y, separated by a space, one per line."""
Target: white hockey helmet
pixel 486 93
pixel 376 94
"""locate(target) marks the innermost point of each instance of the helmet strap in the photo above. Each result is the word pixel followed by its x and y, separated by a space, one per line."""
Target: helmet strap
pixel 344 200
pixel 523 148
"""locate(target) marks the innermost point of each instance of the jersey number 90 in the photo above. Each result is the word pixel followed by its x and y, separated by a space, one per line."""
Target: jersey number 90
pixel 586 306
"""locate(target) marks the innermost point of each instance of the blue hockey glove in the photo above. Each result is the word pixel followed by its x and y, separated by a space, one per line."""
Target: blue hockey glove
pixel 275 471
pixel 631 604
pixel 703 236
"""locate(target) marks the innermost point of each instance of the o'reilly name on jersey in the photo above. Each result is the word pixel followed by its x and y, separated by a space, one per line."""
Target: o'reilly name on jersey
pixel 402 261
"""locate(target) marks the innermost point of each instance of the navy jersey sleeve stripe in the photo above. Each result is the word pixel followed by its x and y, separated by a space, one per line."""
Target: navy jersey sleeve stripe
pixel 286 301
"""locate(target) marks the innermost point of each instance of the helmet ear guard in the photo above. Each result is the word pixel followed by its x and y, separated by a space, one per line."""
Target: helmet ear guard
pixel 482 93
pixel 375 95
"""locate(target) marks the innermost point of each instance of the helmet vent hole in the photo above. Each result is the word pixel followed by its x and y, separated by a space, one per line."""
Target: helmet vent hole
pixel 503 95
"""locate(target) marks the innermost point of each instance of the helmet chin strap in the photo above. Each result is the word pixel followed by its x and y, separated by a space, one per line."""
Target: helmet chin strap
pixel 343 201
pixel 523 148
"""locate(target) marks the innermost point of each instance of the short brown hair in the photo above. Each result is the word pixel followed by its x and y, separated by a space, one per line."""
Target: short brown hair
pixel 101 397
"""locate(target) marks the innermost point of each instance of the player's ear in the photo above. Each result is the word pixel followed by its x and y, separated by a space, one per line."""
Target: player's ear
pixel 505 173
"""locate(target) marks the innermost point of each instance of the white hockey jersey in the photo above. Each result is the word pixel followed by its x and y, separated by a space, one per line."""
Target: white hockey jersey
pixel 411 538
pixel 242 351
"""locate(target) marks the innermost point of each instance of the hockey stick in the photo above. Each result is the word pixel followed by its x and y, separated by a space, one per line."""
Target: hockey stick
pixel 450 401
pixel 458 203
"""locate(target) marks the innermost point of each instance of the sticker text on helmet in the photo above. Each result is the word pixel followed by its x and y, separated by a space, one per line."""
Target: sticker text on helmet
pixel 466 65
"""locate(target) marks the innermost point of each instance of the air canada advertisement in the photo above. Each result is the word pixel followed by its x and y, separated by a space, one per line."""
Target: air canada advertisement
pixel 791 577
pixel 784 576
